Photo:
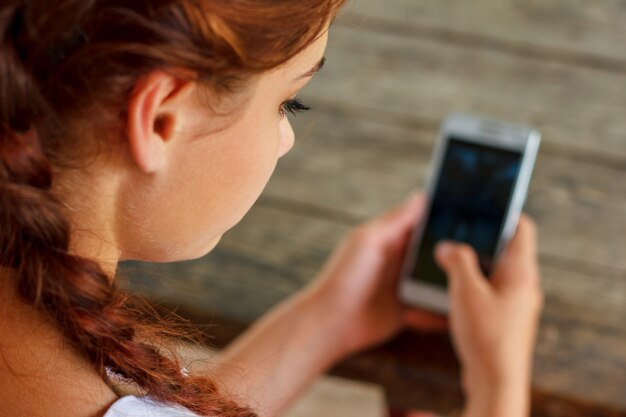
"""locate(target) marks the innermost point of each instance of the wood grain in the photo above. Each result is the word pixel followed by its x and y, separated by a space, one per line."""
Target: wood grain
pixel 578 109
pixel 585 33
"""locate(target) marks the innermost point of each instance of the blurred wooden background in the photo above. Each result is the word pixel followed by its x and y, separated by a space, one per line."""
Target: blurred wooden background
pixel 395 69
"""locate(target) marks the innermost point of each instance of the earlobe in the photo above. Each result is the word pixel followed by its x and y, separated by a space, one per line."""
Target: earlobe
pixel 151 124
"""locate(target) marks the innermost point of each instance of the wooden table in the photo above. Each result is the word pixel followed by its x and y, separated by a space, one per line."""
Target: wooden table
pixel 395 70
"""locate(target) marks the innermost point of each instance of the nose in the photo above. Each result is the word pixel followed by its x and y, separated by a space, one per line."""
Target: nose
pixel 287 137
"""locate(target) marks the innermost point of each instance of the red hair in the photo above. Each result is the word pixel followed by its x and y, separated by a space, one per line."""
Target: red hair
pixel 84 68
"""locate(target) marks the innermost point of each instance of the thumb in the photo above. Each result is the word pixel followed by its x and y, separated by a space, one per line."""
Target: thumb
pixel 460 262
pixel 519 264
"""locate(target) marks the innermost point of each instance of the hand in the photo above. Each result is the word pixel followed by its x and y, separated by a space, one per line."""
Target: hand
pixel 494 324
pixel 357 287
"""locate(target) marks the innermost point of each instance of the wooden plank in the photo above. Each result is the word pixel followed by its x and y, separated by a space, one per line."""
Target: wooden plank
pixel 579 110
pixel 581 339
pixel 586 32
pixel 358 167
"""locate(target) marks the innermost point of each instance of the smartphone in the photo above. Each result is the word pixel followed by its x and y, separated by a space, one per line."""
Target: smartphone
pixel 478 184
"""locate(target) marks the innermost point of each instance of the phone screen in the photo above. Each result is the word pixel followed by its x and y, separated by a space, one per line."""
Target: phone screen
pixel 470 202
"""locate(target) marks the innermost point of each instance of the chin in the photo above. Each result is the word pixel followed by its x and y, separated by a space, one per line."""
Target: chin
pixel 181 253
pixel 199 250
pixel 213 244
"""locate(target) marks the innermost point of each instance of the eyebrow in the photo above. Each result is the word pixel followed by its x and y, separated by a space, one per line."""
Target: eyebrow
pixel 316 68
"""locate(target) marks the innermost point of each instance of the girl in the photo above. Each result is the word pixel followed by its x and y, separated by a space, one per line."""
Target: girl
pixel 145 130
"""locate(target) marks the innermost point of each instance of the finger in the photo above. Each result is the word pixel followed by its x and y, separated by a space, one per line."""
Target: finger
pixel 519 260
pixel 395 261
pixel 424 320
pixel 523 247
pixel 460 263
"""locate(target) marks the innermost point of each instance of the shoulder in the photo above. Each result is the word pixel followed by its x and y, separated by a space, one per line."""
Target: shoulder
pixel 133 406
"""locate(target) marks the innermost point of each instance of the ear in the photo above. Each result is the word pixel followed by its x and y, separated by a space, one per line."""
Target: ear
pixel 153 117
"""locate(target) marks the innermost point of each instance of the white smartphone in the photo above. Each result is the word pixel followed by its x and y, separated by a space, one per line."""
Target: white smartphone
pixel 480 173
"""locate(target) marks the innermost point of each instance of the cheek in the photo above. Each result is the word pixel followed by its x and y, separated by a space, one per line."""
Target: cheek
pixel 211 185
pixel 233 176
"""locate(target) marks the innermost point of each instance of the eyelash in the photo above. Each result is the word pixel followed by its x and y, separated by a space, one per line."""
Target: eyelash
pixel 293 106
